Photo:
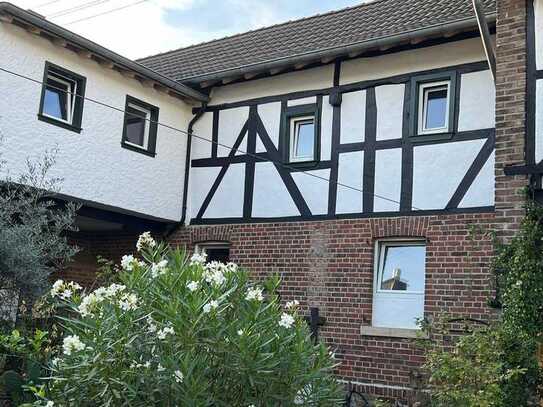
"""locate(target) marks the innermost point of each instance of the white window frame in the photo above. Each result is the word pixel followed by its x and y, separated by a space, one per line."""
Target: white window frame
pixel 294 138
pixel 71 85
pixel 146 129
pixel 423 105
pixel 394 297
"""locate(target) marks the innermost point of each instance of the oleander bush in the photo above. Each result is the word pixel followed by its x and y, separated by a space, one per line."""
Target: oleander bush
pixel 176 331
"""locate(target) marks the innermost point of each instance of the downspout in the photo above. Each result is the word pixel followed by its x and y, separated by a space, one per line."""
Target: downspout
pixel 187 161
pixel 485 36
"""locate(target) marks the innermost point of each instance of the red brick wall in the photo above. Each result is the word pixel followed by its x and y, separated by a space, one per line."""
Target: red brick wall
pixel 110 246
pixel 329 264
pixel 510 112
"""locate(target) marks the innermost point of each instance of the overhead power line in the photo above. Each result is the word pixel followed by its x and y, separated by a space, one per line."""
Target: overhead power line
pixel 77 8
pixel 47 3
pixel 106 12
pixel 192 134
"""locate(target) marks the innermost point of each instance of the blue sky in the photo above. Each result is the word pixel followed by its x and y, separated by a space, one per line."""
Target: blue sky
pixel 154 26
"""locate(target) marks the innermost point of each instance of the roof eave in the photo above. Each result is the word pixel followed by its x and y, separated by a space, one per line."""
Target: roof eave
pixel 54 30
pixel 328 54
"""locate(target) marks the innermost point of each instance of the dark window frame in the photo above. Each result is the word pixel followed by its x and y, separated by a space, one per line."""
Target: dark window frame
pixel 416 82
pixel 299 111
pixel 153 127
pixel 79 98
pixel 213 245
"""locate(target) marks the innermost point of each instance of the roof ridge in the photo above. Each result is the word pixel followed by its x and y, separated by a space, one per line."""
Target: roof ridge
pixel 227 37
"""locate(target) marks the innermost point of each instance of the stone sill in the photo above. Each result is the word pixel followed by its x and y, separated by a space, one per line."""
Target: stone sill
pixel 392 332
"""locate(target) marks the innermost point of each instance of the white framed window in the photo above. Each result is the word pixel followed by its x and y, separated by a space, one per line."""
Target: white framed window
pixel 434 107
pixel 140 126
pixel 302 139
pixel 399 283
pixel 62 97
pixel 215 251
pixel 137 126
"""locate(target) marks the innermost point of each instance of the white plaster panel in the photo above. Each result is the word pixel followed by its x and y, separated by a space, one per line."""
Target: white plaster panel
pixel 538 17
pixel 327 113
pixel 93 164
pixel 227 202
pixel 539 121
pixel 202 128
pixel 388 180
pixel 389 100
pixel 438 170
pixel 477 101
pixel 353 117
pixel 350 169
pixel 231 122
pixel 200 182
pixel 481 192
pixel 271 197
pixel 270 114
pixel 421 59
pixel 307 79
pixel 302 101
pixel 314 190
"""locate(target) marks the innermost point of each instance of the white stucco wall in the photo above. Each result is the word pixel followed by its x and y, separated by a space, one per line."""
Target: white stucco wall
pixel 539 121
pixel 93 164
pixel 477 101
pixel 538 17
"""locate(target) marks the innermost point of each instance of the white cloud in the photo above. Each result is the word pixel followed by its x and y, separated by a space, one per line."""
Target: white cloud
pixel 134 32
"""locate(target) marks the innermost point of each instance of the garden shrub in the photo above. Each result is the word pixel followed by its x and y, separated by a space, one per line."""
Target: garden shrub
pixel 176 331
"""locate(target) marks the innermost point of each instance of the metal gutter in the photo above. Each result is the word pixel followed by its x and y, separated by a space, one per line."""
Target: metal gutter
pixel 334 52
pixel 81 42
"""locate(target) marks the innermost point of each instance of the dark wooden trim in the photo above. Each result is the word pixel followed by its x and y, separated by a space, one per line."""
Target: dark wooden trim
pixel 250 164
pixel 471 174
pixel 334 159
pixel 356 215
pixel 531 76
pixel 369 152
pixel 215 134
pixel 406 189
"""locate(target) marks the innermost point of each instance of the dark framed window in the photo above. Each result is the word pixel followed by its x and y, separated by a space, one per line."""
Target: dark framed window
pixel 62 97
pixel 215 251
pixel 433 106
pixel 140 126
pixel 300 134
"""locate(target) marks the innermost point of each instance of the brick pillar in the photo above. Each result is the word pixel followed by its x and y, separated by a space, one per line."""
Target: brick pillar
pixel 510 113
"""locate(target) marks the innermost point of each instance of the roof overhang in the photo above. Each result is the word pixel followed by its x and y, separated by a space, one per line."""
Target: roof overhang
pixel 327 55
pixel 58 35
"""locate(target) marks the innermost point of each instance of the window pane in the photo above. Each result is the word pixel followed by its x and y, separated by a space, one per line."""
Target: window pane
pixel 221 254
pixel 402 268
pixel 305 138
pixel 55 101
pixel 135 126
pixel 436 108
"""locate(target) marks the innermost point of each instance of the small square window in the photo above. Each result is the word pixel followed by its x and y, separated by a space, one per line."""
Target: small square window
pixel 300 130
pixel 434 108
pixel 302 139
pixel 62 98
pixel 399 283
pixel 140 126
pixel 215 251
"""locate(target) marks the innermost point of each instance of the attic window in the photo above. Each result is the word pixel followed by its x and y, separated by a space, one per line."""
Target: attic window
pixel 300 130
pixel 433 105
pixel 62 97
pixel 140 126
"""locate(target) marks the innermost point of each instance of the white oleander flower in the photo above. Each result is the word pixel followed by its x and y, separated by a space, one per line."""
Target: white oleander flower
pixel 57 288
pixel 127 262
pixel 128 302
pixel 240 332
pixel 66 294
pixel 214 273
pixel 193 286
pixel 161 334
pixel 160 368
pixel 64 290
pixel 88 303
pixel 254 294
pixel 151 324
pixel 72 344
pixel 292 304
pixel 178 376
pixel 145 240
pixel 147 364
pixel 114 289
pixel 50 403
pixel 286 320
pixel 211 305
pixel 157 269
pixel 198 258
